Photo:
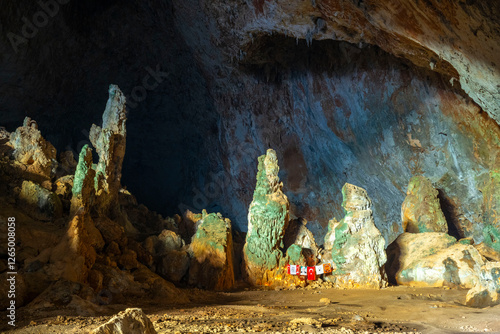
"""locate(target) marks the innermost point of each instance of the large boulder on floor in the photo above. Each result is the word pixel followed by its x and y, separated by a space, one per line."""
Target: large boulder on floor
pixel 487 290
pixel 433 259
pixel 421 210
pixel 212 254
pixel 40 203
pixel 130 321
pixel 268 219
pixel 356 247
pixel 32 150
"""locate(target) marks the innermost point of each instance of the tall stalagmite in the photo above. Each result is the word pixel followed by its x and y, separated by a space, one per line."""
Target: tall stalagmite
pixel 268 219
pixel 109 142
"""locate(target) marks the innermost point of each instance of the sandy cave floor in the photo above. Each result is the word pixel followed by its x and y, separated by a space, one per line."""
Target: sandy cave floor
pixel 394 310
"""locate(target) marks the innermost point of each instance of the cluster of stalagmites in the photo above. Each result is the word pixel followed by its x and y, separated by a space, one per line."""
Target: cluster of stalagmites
pixel 81 234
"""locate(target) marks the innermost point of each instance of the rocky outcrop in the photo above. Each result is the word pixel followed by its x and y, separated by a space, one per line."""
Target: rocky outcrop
pixel 268 219
pixel 357 247
pixel 421 210
pixel 212 254
pixel 109 142
pixel 130 321
pixel 39 202
pixel 434 260
pixel 486 292
pixel 32 150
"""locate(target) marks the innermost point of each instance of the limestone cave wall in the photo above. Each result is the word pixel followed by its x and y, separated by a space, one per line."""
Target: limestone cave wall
pixel 365 92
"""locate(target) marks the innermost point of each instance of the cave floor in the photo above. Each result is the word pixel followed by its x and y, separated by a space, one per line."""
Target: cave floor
pixel 391 310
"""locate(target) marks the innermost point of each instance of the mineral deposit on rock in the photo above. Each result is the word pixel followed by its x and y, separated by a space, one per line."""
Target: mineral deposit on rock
pixel 355 245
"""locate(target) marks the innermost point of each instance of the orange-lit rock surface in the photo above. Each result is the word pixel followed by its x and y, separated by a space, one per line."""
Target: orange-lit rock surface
pixel 212 253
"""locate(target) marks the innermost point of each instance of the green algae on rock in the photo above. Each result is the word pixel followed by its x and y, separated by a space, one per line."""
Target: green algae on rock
pixel 268 218
pixel 421 210
pixel 83 182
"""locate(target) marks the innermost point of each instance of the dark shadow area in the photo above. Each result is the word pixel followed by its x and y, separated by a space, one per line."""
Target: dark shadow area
pixel 451 214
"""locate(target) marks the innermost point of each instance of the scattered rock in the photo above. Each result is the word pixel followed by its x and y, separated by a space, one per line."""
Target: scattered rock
pixel 212 253
pixel 433 259
pixel 130 321
pixel 357 247
pixel 268 219
pixel 325 300
pixel 421 210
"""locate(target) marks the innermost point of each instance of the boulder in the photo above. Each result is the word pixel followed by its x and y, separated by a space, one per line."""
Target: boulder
pixel 433 259
pixel 168 241
pixel 355 245
pixel 109 142
pixel 486 292
pixel 297 233
pixel 212 253
pixel 421 210
pixel 173 265
pixel 268 218
pixel 130 321
pixel 40 203
pixel 32 150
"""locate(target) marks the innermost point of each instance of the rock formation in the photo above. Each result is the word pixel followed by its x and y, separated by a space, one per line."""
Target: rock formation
pixel 433 259
pixel 268 219
pixel 39 202
pixel 130 321
pixel 486 292
pixel 212 254
pixel 109 142
pixel 83 183
pixel 355 245
pixel 32 150
pixel 421 210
